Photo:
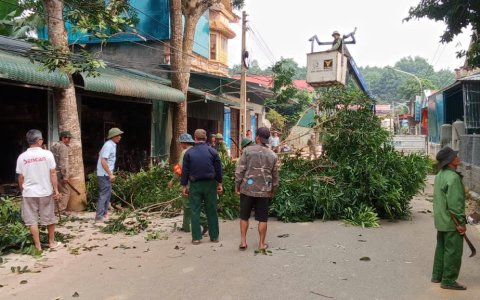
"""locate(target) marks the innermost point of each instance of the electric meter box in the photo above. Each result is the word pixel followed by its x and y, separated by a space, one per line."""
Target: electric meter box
pixel 326 68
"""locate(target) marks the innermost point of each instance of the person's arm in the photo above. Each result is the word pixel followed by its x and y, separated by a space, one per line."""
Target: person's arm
pixel 104 163
pixel 53 179
pixel 217 165
pixel 240 172
pixel 21 180
pixel 275 177
pixel 185 174
pixel 63 164
pixel 456 201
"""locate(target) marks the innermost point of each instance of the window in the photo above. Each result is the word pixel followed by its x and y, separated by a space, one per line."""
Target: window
pixel 224 43
pixel 213 46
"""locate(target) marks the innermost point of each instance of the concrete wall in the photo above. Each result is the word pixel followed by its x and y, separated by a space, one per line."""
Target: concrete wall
pixel 471 177
pixel 144 57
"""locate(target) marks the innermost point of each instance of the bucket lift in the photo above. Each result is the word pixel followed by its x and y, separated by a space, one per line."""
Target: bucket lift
pixel 328 68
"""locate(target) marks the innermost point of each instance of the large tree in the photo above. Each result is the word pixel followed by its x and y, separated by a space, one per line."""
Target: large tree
pixel 181 43
pixel 97 18
pixel 457 15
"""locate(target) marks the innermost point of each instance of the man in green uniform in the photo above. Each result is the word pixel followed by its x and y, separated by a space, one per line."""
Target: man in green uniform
pixel 220 145
pixel 201 181
pixel 448 199
pixel 60 152
pixel 186 142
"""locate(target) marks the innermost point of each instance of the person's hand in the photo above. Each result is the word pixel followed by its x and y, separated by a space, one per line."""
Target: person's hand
pixel 461 229
pixel 219 188
pixel 185 191
pixel 170 184
pixel 112 178
pixel 56 195
pixel 65 180
pixel 237 191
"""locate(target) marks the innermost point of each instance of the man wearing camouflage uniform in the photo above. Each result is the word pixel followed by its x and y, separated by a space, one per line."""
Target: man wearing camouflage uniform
pixel 60 152
pixel 256 179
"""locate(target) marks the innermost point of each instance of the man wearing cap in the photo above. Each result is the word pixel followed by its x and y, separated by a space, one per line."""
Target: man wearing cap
pixel 105 167
pixel 220 145
pixel 37 179
pixel 60 151
pixel 202 180
pixel 186 142
pixel 256 179
pixel 337 41
pixel 448 200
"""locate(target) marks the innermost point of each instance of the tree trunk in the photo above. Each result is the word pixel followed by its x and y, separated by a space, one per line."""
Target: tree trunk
pixel 179 80
pixel 181 60
pixel 67 111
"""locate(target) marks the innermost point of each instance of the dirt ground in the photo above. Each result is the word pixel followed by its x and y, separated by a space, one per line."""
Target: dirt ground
pixel 317 260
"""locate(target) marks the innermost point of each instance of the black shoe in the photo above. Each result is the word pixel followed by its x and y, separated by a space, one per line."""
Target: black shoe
pixel 455 286
pixel 434 280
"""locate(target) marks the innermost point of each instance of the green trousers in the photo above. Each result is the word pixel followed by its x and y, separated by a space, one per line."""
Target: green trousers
pixel 187 216
pixel 448 257
pixel 204 191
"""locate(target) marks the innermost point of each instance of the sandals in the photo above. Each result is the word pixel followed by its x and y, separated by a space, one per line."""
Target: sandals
pixel 55 246
pixel 243 247
pixel 264 248
pixel 454 286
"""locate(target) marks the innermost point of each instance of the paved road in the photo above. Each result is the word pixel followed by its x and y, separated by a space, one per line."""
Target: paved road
pixel 319 260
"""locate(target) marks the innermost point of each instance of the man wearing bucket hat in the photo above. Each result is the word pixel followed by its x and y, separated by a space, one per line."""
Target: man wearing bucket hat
pixel 220 145
pixel 105 167
pixel 448 200
pixel 60 151
pixel 186 142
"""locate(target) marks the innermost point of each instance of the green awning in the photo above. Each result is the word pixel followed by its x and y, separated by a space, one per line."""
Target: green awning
pixel 19 68
pixel 125 83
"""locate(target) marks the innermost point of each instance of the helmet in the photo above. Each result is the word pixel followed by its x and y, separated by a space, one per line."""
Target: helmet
pixel 185 138
pixel 245 142
pixel 219 136
pixel 114 132
pixel 335 33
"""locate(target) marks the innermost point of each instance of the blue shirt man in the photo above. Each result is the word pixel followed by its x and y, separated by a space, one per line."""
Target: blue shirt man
pixel 105 166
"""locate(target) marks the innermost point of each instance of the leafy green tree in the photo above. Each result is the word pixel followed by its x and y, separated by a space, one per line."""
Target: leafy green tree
pixel 99 19
pixel 457 16
pixel 289 101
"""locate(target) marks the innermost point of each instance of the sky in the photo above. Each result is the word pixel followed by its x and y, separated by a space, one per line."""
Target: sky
pixel 382 38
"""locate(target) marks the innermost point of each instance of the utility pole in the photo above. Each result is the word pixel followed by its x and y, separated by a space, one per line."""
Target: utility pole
pixel 243 80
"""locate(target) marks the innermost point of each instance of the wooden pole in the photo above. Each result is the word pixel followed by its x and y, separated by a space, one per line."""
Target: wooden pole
pixel 243 80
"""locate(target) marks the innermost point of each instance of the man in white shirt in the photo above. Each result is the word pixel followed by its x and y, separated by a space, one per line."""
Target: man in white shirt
pixel 274 142
pixel 105 166
pixel 37 179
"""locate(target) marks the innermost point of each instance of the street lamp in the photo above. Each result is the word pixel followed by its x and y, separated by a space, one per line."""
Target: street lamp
pixel 412 108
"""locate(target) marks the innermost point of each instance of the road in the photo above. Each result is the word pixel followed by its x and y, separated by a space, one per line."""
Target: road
pixel 318 260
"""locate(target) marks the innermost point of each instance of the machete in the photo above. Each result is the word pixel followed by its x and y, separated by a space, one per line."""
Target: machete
pixel 73 188
pixel 469 243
